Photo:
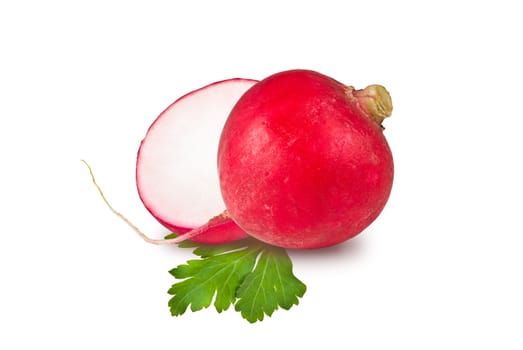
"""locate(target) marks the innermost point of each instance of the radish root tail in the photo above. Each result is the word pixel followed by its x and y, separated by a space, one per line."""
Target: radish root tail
pixel 215 221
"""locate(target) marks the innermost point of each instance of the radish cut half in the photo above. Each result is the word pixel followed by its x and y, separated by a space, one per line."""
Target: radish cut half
pixel 176 166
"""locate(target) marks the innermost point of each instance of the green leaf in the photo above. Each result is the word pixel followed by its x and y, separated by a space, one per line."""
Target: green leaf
pixel 270 285
pixel 214 275
pixel 171 235
pixel 253 276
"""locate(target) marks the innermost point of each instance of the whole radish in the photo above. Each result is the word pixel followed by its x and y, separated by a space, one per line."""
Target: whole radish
pixel 303 162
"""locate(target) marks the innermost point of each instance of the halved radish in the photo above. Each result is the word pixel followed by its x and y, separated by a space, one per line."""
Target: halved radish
pixel 176 171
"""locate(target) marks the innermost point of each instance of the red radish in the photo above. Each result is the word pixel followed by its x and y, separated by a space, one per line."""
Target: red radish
pixel 303 162
pixel 176 176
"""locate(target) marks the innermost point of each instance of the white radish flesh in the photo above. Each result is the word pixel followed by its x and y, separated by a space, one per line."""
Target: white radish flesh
pixel 176 170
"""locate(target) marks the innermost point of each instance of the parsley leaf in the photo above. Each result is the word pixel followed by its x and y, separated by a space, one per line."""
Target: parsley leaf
pixel 254 277
pixel 272 283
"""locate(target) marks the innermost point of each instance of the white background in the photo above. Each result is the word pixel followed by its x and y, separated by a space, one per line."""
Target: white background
pixel 440 269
